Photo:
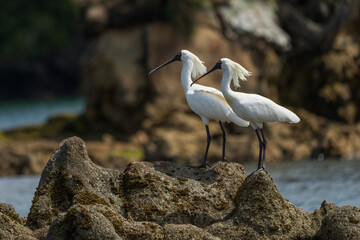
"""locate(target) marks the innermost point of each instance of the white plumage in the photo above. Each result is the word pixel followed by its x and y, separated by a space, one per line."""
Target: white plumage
pixel 209 103
pixel 251 107
pixel 257 109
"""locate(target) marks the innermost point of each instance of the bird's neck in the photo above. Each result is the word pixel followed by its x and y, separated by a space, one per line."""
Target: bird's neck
pixel 225 84
pixel 186 74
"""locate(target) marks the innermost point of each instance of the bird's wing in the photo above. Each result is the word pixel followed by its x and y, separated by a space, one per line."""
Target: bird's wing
pixel 210 102
pixel 202 88
pixel 211 93
pixel 261 109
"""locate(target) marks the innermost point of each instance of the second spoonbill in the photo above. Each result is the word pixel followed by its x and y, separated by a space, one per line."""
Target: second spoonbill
pixel 251 107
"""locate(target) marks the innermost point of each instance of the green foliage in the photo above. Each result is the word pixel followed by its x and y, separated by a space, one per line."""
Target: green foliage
pixel 2 136
pixel 35 28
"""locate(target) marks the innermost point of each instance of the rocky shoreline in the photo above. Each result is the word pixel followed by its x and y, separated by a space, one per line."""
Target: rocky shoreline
pixel 29 157
pixel 77 199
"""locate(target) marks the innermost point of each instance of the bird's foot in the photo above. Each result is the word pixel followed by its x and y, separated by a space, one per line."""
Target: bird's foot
pixel 225 160
pixel 263 169
pixel 204 165
pixel 257 170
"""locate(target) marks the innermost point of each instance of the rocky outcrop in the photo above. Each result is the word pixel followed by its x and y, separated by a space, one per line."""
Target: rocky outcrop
pixel 265 215
pixel 77 199
pixel 121 79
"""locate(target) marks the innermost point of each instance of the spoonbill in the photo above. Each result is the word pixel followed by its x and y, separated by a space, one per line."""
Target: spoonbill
pixel 209 103
pixel 251 107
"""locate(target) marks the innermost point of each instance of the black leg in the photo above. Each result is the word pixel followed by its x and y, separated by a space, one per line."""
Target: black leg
pixel 260 147
pixel 224 142
pixel 204 163
pixel 264 147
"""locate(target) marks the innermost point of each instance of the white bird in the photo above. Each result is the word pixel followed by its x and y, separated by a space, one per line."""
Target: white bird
pixel 251 107
pixel 209 103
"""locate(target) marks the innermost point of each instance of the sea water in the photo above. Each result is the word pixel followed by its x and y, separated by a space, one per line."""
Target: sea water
pixel 15 114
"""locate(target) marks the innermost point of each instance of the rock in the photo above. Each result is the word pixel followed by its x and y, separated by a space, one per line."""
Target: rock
pixel 9 211
pixel 239 16
pixel 186 232
pixel 185 142
pixel 332 76
pixel 96 18
pixel 115 82
pixel 262 213
pixel 164 192
pixel 340 223
pixel 100 222
pixel 81 182
pixel 313 137
pixel 12 226
pixel 77 199
pixel 84 222
pixel 341 141
pixel 99 16
pixel 24 157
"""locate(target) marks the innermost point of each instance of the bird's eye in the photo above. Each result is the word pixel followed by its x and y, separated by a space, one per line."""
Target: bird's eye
pixel 178 54
pixel 219 62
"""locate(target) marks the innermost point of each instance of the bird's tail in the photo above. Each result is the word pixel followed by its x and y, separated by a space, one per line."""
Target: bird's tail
pixel 294 118
pixel 291 117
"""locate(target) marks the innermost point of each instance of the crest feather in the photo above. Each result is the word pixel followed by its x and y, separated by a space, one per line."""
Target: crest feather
pixel 198 65
pixel 239 73
pixel 198 68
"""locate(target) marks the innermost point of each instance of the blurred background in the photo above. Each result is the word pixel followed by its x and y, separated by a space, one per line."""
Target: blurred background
pixel 79 67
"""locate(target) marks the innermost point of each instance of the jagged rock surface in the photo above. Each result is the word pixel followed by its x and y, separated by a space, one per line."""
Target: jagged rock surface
pixel 12 225
pixel 76 199
pixel 265 216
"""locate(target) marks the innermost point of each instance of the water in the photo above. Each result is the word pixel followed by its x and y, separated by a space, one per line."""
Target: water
pixel 23 113
pixel 19 192
pixel 306 184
